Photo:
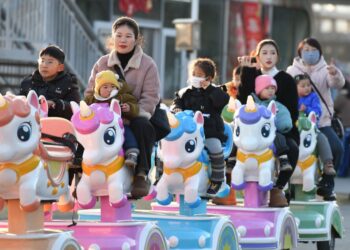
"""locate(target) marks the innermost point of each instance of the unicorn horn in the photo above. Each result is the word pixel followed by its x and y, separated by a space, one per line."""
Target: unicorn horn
pixel 250 107
pixel 2 101
pixel 231 105
pixel 173 122
pixel 85 110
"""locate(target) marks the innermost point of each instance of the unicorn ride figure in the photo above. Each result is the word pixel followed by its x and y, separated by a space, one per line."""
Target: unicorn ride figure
pixel 305 170
pixel 99 128
pixel 254 132
pixel 23 175
pixel 185 169
pixel 318 221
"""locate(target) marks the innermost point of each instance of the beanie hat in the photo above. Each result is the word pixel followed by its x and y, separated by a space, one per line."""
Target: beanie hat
pixel 106 76
pixel 264 81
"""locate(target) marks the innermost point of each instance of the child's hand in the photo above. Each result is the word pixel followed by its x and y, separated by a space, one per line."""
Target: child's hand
pixel 51 104
pixel 302 107
pixel 125 107
pixel 177 110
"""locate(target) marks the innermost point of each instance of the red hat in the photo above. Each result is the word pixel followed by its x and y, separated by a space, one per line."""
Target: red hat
pixel 264 81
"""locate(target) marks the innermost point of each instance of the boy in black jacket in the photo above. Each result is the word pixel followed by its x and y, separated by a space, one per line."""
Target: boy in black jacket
pixel 50 80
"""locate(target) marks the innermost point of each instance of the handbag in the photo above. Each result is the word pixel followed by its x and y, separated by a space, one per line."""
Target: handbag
pixel 160 123
pixel 336 123
pixel 159 119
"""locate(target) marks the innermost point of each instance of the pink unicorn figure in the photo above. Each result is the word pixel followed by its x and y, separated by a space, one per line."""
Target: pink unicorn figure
pixel 23 175
pixel 254 132
pixel 305 170
pixel 99 128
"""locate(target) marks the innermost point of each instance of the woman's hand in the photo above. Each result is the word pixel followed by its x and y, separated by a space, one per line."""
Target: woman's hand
pixel 51 104
pixel 125 107
pixel 246 61
pixel 332 70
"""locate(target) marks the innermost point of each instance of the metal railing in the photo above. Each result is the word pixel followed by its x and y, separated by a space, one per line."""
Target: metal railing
pixel 27 26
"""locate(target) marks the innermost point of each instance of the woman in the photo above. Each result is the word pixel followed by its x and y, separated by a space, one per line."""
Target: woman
pixel 140 72
pixel 266 56
pixel 310 61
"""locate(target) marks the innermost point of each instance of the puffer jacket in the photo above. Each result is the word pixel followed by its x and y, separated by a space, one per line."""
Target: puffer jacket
pixel 61 90
pixel 323 81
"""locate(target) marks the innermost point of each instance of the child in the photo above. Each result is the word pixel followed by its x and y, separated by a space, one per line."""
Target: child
pixel 265 89
pixel 108 86
pixel 203 96
pixel 309 101
pixel 50 80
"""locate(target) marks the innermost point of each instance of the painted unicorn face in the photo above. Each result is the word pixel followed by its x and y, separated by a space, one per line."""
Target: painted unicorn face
pixel 99 128
pixel 254 126
pixel 19 126
pixel 185 142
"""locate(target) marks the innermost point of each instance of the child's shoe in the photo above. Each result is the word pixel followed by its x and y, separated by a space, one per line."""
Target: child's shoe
pixel 284 163
pixel 131 160
pixel 214 187
pixel 328 169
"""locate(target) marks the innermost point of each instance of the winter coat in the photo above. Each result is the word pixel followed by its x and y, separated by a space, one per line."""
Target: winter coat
pixel 312 103
pixel 209 101
pixel 124 96
pixel 61 90
pixel 283 119
pixel 286 94
pixel 323 81
pixel 141 74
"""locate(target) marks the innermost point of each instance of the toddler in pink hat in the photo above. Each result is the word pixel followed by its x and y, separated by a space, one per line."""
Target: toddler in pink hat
pixel 265 90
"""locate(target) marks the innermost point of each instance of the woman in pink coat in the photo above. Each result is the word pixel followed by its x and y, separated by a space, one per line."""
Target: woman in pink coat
pixel 325 77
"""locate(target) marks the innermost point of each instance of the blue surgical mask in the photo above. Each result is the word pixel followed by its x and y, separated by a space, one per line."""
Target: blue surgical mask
pixel 310 57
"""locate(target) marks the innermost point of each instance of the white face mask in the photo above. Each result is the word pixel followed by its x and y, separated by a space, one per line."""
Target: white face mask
pixel 195 81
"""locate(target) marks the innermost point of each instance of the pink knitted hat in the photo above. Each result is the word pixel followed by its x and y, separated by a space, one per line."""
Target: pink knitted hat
pixel 262 82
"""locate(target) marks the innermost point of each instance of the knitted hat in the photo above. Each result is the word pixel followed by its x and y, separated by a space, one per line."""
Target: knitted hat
pixel 264 81
pixel 106 76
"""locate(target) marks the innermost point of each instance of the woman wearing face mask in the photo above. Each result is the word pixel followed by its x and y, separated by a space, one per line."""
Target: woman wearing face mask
pixel 266 57
pixel 202 95
pixel 325 77
pixel 140 72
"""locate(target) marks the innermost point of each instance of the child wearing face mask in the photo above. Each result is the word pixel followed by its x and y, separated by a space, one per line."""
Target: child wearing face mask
pixel 308 102
pixel 107 87
pixel 202 95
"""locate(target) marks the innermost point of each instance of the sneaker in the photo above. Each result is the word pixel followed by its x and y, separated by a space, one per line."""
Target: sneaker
pixel 327 193
pixel 328 169
pixel 214 187
pixel 131 160
pixel 284 164
pixel 140 187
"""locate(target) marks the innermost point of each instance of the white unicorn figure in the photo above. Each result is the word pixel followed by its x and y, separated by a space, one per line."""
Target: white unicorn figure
pixel 254 132
pixel 23 175
pixel 183 172
pixel 99 128
pixel 305 170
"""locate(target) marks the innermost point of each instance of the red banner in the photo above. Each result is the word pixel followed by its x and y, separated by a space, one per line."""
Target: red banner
pixel 252 25
pixel 129 7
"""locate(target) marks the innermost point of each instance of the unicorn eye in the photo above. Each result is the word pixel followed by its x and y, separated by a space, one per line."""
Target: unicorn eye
pixel 307 140
pixel 190 146
pixel 109 136
pixel 265 130
pixel 238 131
pixel 24 131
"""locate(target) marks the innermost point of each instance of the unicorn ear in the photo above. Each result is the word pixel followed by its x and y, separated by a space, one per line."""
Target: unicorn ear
pixel 74 106
pixel 272 107
pixel 33 99
pixel 199 118
pixel 312 117
pixel 115 107
pixel 44 108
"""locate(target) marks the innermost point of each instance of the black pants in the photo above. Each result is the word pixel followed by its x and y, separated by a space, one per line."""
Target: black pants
pixel 293 154
pixel 281 145
pixel 146 137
